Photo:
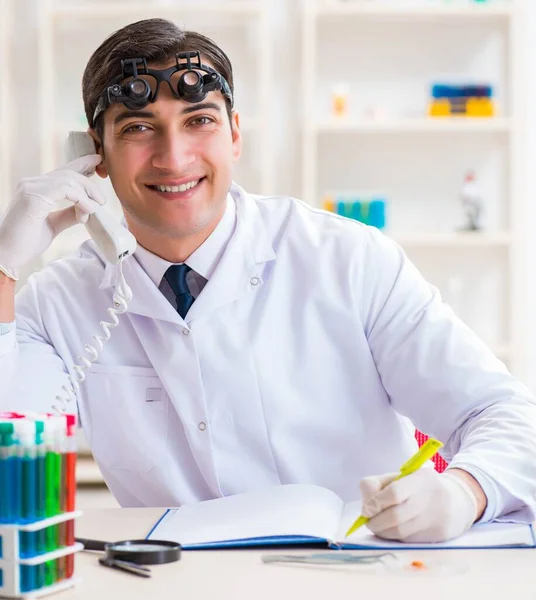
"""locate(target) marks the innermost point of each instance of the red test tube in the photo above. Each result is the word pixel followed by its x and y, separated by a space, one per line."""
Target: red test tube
pixel 70 488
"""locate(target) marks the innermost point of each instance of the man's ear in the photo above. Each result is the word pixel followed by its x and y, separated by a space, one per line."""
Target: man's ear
pixel 101 169
pixel 237 135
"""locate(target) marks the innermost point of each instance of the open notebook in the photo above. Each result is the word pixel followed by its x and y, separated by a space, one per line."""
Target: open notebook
pixel 303 514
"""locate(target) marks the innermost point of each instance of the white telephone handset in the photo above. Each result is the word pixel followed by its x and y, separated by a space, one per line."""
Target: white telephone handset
pixel 116 242
pixel 113 239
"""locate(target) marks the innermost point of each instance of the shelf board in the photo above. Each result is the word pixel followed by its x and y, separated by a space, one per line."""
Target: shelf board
pixel 413 125
pixel 452 240
pixel 140 9
pixel 361 8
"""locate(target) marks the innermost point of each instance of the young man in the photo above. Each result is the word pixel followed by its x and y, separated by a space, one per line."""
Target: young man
pixel 266 342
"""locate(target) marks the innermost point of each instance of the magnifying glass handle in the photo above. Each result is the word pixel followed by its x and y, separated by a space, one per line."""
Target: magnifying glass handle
pixel 97 545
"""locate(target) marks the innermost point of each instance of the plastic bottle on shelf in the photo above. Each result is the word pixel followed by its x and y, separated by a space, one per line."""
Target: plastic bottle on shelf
pixel 472 203
pixel 339 100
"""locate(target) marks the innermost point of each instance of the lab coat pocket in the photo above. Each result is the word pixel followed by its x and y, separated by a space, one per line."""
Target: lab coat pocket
pixel 128 409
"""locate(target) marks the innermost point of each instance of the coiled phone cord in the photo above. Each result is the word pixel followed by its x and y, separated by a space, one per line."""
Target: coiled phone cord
pixel 121 298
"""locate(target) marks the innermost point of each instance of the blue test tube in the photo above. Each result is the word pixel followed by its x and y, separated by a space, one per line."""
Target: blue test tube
pixel 365 209
pixel 40 469
pixel 40 535
pixel 377 213
pixel 4 500
pixel 24 586
pixel 40 487
pixel 25 432
pixel 357 212
pixel 11 474
pixel 36 539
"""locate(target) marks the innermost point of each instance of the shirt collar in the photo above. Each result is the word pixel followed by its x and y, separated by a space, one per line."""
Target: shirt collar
pixel 204 260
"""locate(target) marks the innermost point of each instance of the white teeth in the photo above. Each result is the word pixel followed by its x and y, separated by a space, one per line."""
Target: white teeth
pixel 177 188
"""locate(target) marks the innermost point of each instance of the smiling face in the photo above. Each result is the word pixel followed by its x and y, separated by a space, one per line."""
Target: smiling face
pixel 171 165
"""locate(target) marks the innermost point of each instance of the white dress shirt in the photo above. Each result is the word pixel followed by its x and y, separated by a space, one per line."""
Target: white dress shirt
pixel 202 261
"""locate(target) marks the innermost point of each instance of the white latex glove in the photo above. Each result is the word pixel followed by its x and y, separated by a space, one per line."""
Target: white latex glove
pixel 425 506
pixel 29 225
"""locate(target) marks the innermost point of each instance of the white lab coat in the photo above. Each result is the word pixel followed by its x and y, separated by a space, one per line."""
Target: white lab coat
pixel 310 356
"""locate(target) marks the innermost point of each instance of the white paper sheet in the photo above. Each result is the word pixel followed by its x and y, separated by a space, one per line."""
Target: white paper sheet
pixel 290 510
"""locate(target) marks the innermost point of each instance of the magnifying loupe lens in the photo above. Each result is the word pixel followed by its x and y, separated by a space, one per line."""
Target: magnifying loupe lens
pixel 138 87
pixel 191 79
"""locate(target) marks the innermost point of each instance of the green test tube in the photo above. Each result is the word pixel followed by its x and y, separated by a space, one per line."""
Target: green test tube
pixel 40 507
pixel 52 491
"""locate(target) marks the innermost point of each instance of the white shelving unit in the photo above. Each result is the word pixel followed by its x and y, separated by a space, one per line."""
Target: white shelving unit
pixel 499 239
pixel 5 117
pixel 370 47
pixel 70 32
pixel 412 10
pixel 411 125
pixel 142 10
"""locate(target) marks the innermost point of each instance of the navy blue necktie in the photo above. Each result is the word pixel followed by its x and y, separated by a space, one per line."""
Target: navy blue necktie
pixel 176 277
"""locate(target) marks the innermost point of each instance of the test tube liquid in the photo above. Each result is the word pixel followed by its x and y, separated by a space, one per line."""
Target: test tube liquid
pixel 25 584
pixel 11 474
pixel 70 489
pixel 4 499
pixel 26 435
pixel 52 463
pixel 16 479
pixel 27 454
pixel 39 537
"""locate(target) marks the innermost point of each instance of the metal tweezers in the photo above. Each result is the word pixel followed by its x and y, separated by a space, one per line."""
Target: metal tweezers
pixel 327 558
pixel 124 565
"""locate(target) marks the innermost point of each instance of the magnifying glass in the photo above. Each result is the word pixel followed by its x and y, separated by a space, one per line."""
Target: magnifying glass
pixel 127 555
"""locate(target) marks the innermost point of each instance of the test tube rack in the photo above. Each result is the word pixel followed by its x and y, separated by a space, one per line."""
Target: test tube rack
pixel 13 566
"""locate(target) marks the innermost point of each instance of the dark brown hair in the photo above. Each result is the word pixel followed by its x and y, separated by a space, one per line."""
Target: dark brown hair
pixel 157 40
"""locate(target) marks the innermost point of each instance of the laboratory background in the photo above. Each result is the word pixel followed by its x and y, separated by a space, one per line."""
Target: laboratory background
pixel 414 116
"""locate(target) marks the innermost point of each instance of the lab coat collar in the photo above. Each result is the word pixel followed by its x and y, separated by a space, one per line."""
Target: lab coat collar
pixel 205 259
pixel 248 249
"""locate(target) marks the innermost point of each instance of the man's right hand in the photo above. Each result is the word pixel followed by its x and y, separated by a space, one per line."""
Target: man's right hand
pixel 30 223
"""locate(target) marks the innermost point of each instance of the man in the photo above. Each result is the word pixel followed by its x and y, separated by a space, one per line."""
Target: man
pixel 266 342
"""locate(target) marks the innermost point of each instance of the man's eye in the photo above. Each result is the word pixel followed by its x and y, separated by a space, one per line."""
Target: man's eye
pixel 135 129
pixel 202 121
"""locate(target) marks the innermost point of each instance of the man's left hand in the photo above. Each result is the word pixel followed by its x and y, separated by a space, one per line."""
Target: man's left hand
pixel 422 507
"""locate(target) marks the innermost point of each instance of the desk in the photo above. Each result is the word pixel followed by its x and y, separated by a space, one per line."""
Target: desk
pixel 239 574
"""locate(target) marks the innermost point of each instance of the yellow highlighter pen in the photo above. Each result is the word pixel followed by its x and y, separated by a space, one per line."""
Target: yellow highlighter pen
pixel 425 452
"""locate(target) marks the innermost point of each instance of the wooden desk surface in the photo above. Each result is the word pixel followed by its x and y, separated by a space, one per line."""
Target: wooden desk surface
pixel 238 574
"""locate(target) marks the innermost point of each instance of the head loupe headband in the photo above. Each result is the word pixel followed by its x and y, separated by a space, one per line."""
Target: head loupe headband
pixel 136 92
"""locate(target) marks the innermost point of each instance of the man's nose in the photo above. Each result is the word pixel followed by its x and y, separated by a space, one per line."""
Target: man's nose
pixel 173 152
